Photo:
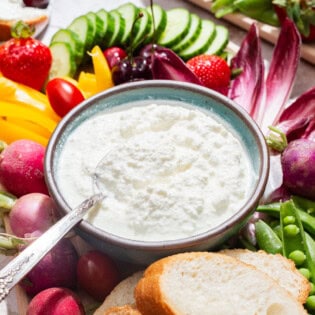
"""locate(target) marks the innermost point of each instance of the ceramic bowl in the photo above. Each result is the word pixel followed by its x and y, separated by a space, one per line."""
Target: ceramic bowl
pixel 239 122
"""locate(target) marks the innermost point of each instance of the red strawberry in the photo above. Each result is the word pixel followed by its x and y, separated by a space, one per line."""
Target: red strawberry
pixel 213 71
pixel 25 59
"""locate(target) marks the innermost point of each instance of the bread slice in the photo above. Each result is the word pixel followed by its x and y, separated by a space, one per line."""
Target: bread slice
pixel 122 310
pixel 121 295
pixel 13 11
pixel 277 267
pixel 210 284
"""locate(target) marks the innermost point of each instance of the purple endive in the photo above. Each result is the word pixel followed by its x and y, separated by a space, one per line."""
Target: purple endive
pixel 247 88
pixel 166 65
pixel 281 74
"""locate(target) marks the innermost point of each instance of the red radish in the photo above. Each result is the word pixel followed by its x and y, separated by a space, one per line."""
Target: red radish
pixel 55 301
pixel 298 166
pixel 22 168
pixel 56 269
pixel 32 214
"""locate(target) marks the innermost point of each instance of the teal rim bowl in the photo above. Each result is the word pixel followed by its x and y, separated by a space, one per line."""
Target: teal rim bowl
pixel 229 113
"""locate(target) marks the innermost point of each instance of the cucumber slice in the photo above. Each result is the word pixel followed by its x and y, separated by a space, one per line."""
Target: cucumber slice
pixel 108 27
pixel 63 63
pixel 68 36
pixel 144 27
pixel 220 40
pixel 119 29
pixel 83 27
pixel 194 31
pixel 201 43
pixel 130 13
pixel 97 25
pixel 159 20
pixel 177 26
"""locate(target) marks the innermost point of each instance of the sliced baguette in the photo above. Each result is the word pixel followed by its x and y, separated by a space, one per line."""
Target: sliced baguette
pixel 121 295
pixel 277 267
pixel 210 284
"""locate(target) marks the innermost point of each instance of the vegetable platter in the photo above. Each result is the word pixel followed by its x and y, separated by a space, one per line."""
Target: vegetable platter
pixel 268 32
pixel 64 14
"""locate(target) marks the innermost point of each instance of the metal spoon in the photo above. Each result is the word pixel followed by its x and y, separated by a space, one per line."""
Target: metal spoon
pixel 18 267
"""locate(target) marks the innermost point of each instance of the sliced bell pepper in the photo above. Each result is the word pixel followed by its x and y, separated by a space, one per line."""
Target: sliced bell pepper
pixel 10 132
pixel 101 69
pixel 19 93
pixel 22 111
pixel 87 83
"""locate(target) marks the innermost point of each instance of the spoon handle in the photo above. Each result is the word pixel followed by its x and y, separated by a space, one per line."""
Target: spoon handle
pixel 19 266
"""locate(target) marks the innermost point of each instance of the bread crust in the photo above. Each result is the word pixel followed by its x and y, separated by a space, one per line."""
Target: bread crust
pixel 5 26
pixel 122 310
pixel 150 300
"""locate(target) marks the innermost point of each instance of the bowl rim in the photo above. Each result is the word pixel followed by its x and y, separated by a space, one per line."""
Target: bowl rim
pixel 241 215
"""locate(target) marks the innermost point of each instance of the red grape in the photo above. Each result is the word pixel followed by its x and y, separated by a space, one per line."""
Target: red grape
pixel 113 55
pixel 97 274
pixel 36 3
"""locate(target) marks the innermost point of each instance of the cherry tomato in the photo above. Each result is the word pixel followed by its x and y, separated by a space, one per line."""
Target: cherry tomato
pixel 97 274
pixel 63 95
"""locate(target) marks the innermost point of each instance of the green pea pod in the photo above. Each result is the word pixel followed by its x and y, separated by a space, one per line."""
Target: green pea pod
pixel 222 7
pixel 268 16
pixel 267 239
pixel 294 245
pixel 252 6
pixel 304 204
pixel 273 209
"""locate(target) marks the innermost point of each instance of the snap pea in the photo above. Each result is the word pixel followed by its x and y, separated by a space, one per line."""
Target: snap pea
pixel 267 239
pixel 304 204
pixel 294 244
pixel 273 209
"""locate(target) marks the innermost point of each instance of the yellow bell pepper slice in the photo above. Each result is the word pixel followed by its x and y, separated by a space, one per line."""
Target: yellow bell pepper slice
pixel 10 132
pixel 18 93
pixel 101 69
pixel 87 83
pixel 22 111
pixel 31 126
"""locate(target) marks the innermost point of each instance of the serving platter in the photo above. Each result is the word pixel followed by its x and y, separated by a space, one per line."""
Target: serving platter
pixel 267 32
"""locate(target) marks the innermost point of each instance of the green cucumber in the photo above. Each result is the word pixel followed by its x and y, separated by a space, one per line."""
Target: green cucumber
pixel 108 27
pixel 144 28
pixel 63 60
pixel 83 27
pixel 194 31
pixel 201 43
pixel 68 36
pixel 220 40
pixel 159 20
pixel 97 24
pixel 177 26
pixel 130 13
pixel 119 29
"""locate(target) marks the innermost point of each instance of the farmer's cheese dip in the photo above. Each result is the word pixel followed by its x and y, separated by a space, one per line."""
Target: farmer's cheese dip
pixel 170 171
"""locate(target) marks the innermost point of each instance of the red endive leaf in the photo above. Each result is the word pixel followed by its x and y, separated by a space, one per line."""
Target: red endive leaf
pixel 247 88
pixel 281 74
pixel 166 65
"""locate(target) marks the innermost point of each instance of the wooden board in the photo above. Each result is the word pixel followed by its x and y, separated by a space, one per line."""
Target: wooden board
pixel 267 32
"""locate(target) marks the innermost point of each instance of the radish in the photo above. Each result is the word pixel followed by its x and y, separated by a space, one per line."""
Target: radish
pixel 298 166
pixel 22 168
pixel 55 301
pixel 32 214
pixel 56 269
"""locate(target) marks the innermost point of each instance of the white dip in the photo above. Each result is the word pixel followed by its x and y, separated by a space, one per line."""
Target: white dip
pixel 169 171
